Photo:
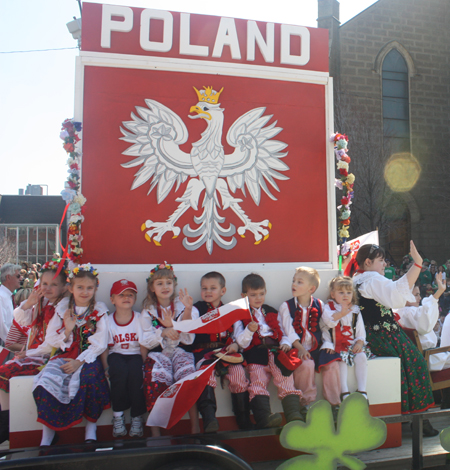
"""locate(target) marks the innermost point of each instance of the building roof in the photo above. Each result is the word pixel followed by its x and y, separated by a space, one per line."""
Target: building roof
pixel 31 209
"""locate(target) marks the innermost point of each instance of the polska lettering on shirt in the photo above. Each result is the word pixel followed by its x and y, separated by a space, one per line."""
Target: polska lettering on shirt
pixel 140 31
pixel 125 338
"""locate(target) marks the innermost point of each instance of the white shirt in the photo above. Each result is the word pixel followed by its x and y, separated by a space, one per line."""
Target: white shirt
pixel 286 321
pixel 423 319
pixel 151 336
pixel 124 339
pixel 347 320
pixel 244 336
pixel 391 294
pixel 6 311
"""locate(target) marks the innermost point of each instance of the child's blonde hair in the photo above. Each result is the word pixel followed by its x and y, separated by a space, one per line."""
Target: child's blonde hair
pixel 155 274
pixel 311 274
pixel 340 282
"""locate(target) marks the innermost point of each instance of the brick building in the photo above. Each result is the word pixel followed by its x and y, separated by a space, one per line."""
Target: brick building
pixel 391 69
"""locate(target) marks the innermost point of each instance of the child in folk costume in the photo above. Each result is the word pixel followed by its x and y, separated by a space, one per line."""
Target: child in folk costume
pixel 73 383
pixel 377 296
pixel 302 322
pixel 347 335
pixel 167 361
pixel 34 314
pixel 258 336
pixel 124 359
pixel 212 290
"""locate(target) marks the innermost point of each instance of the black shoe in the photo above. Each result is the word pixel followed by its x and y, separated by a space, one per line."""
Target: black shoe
pixel 428 430
pixel 4 426
pixel 206 405
pixel 260 406
pixel 241 409
pixel 291 408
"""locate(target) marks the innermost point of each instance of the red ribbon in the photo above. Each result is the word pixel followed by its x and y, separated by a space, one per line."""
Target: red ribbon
pixel 66 249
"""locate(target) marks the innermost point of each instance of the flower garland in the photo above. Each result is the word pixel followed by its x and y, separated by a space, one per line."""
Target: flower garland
pixel 88 268
pixel 344 182
pixel 164 265
pixel 72 194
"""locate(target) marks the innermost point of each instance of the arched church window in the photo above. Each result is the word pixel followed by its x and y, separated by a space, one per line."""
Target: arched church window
pixel 396 128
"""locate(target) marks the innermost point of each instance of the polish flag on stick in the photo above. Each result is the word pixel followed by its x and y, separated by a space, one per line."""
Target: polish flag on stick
pixel 217 320
pixel 3 354
pixel 179 398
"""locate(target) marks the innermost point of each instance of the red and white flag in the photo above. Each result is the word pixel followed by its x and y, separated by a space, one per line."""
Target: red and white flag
pixel 3 354
pixel 179 398
pixel 370 237
pixel 217 320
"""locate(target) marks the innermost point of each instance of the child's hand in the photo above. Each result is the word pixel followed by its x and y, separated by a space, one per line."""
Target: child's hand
pixel 346 259
pixel 69 321
pixel 253 326
pixel 20 354
pixel 107 372
pixel 285 347
pixel 185 298
pixel 170 333
pixel 71 366
pixel 440 284
pixel 330 351
pixel 357 348
pixel 302 352
pixel 167 317
pixel 415 254
pixel 232 348
pixel 33 299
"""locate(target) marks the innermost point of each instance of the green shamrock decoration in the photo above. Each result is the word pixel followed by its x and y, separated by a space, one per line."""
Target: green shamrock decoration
pixel 445 439
pixel 356 431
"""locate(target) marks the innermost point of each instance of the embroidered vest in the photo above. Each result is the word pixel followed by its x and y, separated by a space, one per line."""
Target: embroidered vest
pixel 39 326
pixel 271 317
pixel 376 316
pixel 202 338
pixel 314 316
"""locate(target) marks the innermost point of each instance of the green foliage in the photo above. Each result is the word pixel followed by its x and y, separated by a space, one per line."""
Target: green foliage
pixel 356 431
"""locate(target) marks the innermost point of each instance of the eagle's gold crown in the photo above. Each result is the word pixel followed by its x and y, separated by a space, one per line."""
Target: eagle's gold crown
pixel 208 95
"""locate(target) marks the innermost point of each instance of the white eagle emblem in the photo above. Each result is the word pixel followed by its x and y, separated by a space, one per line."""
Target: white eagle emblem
pixel 156 136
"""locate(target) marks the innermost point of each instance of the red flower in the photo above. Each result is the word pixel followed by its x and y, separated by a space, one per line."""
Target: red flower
pixel 345 222
pixel 346 159
pixel 72 184
pixel 69 147
pixel 343 172
pixel 344 201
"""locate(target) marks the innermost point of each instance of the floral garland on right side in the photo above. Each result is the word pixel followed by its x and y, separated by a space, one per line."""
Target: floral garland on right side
pixel 344 182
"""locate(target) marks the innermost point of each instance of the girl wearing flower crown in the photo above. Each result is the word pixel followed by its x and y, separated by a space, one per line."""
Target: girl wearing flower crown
pixel 377 297
pixel 73 384
pixel 347 335
pixel 167 361
pixel 30 323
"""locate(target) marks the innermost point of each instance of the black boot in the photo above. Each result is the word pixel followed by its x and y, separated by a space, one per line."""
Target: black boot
pixel 4 426
pixel 291 408
pixel 206 404
pixel 428 430
pixel 260 406
pixel 241 409
pixel 445 403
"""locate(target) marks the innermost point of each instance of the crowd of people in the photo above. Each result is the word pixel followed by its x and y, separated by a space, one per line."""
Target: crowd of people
pixel 86 359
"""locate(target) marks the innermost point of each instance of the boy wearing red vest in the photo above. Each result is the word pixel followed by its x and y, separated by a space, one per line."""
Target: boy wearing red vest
pixel 301 320
pixel 258 336
pixel 212 290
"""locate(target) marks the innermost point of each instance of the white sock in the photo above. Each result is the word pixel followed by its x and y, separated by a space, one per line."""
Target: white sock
pixel 361 371
pixel 90 431
pixel 47 435
pixel 117 414
pixel 343 373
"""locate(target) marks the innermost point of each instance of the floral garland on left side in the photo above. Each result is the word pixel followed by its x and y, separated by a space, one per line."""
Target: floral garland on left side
pixel 344 182
pixel 72 194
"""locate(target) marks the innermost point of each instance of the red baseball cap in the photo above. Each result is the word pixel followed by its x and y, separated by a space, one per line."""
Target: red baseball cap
pixel 119 286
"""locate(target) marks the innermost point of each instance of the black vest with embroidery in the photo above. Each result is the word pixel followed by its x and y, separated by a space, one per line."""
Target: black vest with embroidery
pixel 375 315
pixel 203 338
pixel 318 306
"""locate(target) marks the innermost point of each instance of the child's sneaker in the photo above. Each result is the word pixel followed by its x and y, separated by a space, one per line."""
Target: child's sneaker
pixel 137 428
pixel 119 428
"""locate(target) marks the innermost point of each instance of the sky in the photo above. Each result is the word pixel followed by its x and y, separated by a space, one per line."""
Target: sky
pixel 37 88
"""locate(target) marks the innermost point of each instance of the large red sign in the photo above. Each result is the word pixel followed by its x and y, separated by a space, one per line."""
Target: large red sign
pixel 231 171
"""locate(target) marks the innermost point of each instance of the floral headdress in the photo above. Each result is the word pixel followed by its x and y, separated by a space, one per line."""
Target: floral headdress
pixel 158 267
pixel 53 266
pixel 88 268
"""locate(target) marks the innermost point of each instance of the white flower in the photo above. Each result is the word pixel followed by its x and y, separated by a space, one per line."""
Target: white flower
pixel 80 199
pixel 76 218
pixel 343 165
pixel 68 194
